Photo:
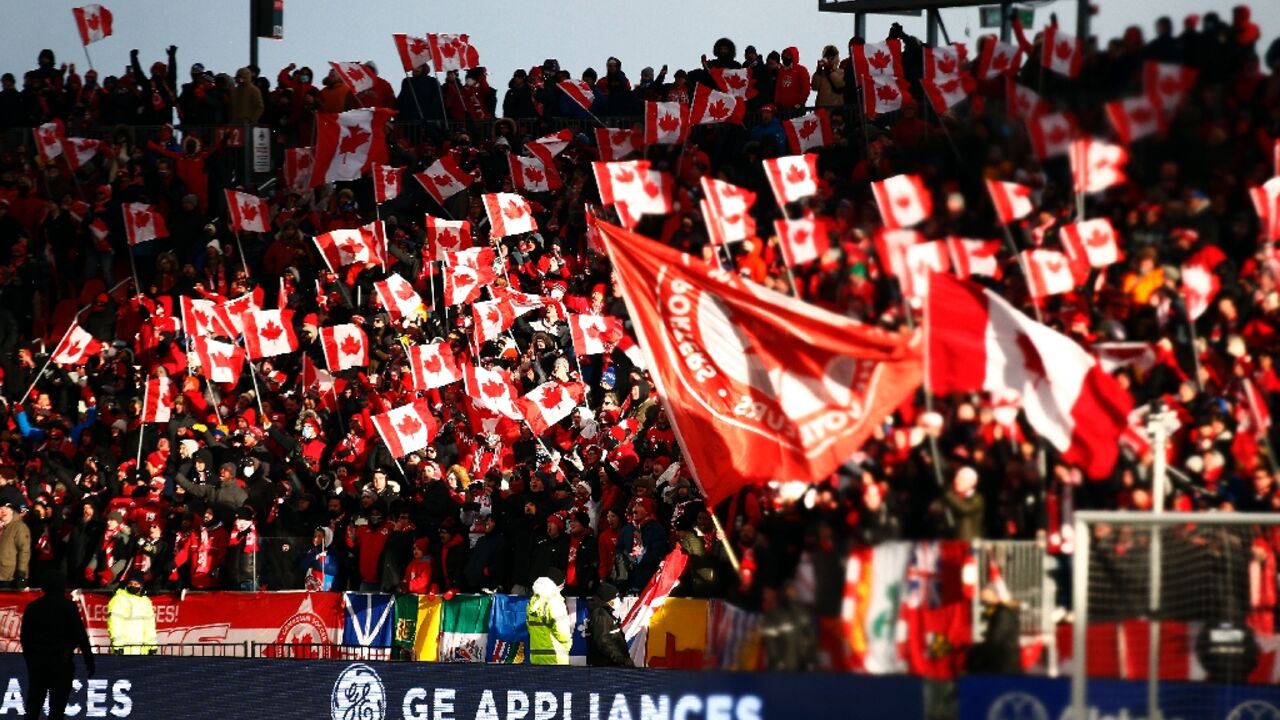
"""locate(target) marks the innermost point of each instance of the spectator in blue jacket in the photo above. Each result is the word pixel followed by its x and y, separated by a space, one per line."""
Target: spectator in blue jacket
pixel 642 543
pixel 769 132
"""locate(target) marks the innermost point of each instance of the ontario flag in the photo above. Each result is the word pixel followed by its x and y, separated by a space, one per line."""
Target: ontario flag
pixel 406 429
pixel 491 389
pixel 349 144
pixel 345 347
pixel 76 348
pixel 445 236
pixel 977 341
pixel 268 333
pixel 220 362
pixel 341 248
pixel 386 182
pixel 792 177
pixel 93 22
pixel 509 214
pixel 398 297
pixel 157 401
pixel 593 334
pixel 617 143
pixel 248 213
pixel 443 179
pixel 802 241
pixel 433 366
pixel 713 106
pixel 665 123
pixel 808 132
pixel 937 609
pixel 784 389
pixel 549 403
pixel 415 52
pixel 142 223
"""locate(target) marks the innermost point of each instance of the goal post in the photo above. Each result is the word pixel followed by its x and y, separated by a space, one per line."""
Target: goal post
pixel 1184 579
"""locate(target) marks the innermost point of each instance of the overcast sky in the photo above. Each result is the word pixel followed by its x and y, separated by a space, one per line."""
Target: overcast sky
pixel 508 34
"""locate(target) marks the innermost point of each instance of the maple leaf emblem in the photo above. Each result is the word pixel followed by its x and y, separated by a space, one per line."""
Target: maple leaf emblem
pixel 462 279
pixel 624 176
pixel 304 161
pixel 732 219
pixel 796 174
pixel 352 139
pixel 1063 50
pixel 449 50
pixel 902 201
pixel 513 211
pixel 887 93
pixel 1031 360
pixel 799 237
pixel 1057 135
pixel 249 212
pixel 405 292
pixel 271 331
pixel 1141 116
pixel 879 61
pixel 651 189
pixel 493 389
pixel 1169 85
pixel 534 175
pixel 219 360
pixel 417 46
pixel 447 239
pixel 201 317
pixel 141 219
pixel 91 21
pixel 947 64
pixel 668 123
pixel 433 364
pixel 592 331
pixel 552 397
pixel 351 346
pixel 443 180
pixel 350 248
pixel 390 177
pixel 1098 239
pixel 949 86
pixel 1054 266
pixel 619 137
pixel 718 110
pixel 1000 61
pixel 409 426
pixel 493 317
pixel 74 349
pixel 735 81
pixel 356 74
pixel 808 128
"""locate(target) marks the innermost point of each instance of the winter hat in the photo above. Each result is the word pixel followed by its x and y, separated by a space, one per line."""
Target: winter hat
pixel 558 520
pixel 421 545
pixel 556 576
pixel 228 466
pixel 244 513
pixel 115 515
pixel 190 446
pixel 606 592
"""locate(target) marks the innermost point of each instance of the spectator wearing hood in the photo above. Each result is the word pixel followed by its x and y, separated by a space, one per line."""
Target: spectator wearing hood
pixel 791 88
pixel 245 103
pixel 550 628
pixel 606 645
pixel 15 548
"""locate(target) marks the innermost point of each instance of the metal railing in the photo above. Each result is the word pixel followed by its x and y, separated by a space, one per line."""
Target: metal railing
pixel 203 650
pixel 318 651
pixel 1023 566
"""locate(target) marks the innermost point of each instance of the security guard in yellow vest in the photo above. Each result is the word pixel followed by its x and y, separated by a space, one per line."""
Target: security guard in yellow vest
pixel 550 629
pixel 131 621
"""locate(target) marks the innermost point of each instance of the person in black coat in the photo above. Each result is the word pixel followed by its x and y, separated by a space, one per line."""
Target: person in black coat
pixel 487 564
pixel 606 645
pixel 999 653
pixel 51 632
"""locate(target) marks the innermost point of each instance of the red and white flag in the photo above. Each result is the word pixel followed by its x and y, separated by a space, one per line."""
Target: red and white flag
pixel 996 58
pixel 443 179
pixel 461 285
pixel 1048 273
pixel 1135 118
pixel 1061 53
pixel 433 366
pixel 549 403
pixel 233 312
pixel 1116 356
pixel 297 167
pixel 802 241
pixel 617 143
pixel 142 223
pixel 415 52
pixel 652 597
pixel 1091 243
pixel 808 132
pixel 341 248
pixel 945 93
pixel 268 333
pixel 891 248
pixel 729 211
pixel 974 257
pixel 354 75
pixel 398 297
pixel 1011 200
pixel 634 188
pixel 445 236
pixel 345 346
pixel 157 401
pixel 509 214
pixel 79 151
pixel 349 144
pixel 736 82
pixel 204 317
pixel 386 182
pixel 1051 134
pixel 1024 103
pixel 491 388
pixel 1200 285
pixel 1266 202
pixel 977 341
pixel 885 94
pixel 579 91
pixel 946 61
pixel 452 52
pixel 1167 84
pixel 407 429
pixel 1097 165
pixel 712 106
pixel 532 175
pixel 49 137
pixel 93 22
pixel 248 213
pixel 883 59
pixel 594 334
pixel 76 348
pixel 665 123
pixel 491 318
pixel 817 384
pixel 100 230
pixel 922 261
pixel 903 200
pixel 792 177
pixel 220 362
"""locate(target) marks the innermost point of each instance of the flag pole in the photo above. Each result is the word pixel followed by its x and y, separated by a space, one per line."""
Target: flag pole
pixel 86 56
pixel 142 423
pixel 235 232
pixel 1022 265
pixel 414 93
pixel 257 394
pixel 1195 350
pixel 49 359
pixel 934 453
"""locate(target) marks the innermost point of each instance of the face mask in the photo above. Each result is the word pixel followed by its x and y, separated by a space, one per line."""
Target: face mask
pixel 305 78
pixel 248 471
pixel 242 525
pixel 308 433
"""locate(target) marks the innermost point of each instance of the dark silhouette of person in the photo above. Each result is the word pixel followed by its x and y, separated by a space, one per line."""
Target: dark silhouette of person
pixel 51 632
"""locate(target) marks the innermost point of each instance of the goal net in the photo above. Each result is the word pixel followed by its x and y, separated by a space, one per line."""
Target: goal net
pixel 1174 615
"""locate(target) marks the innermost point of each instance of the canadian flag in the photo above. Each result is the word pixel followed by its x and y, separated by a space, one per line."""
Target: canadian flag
pixel 1097 165
pixel 922 261
pixel 1024 103
pixel 729 211
pixel 800 366
pixel 491 389
pixel 736 82
pixel 345 346
pixel 977 341
pixel 341 248
pixel 616 144
pixel 1048 273
pixel 594 334
pixel 1051 134
pixel 713 106
pixel 1011 200
pixel 903 200
pixel 49 138
pixel 883 59
pixel 491 318
pixel 802 241
pixel 996 58
pixel 297 167
pixel 386 182
pixel 157 401
pixel 268 333
pixel 315 377
pixel 248 213
pixel 349 144
pixel 76 348
pixel 433 366
pixel 100 230
pixel 1135 118
pixel 415 52
pixel 792 177
pixel 885 94
pixel 547 147
pixel 461 284
pixel 1266 202
pixel 1200 285
pixel 205 317
pixel 406 429
pixel 233 311
pixel 143 223
pixel 509 214
pixel 445 236
pixel 452 52
pixel 531 175
pixel 79 151
pixel 220 362
pixel 974 257
pixel 549 403
pixel 398 297
pixel 1062 53
pixel 891 248
pixel 443 179
pixel 354 75
pixel 1167 84
pixel 944 62
pixel 580 92
pixel 523 303
pixel 665 123
pixel 1091 243
pixel 634 188
pixel 945 93
pixel 482 258
pixel 93 22
pixel 809 131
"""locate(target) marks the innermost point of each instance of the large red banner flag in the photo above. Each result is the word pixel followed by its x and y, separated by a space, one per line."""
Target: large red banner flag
pixel 759 385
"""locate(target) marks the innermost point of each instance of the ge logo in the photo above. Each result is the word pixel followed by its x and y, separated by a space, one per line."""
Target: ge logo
pixel 1254 710
pixel 358 695
pixel 1017 706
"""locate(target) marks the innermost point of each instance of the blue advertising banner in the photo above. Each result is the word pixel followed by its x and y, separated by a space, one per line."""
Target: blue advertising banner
pixel 147 688
pixel 1004 698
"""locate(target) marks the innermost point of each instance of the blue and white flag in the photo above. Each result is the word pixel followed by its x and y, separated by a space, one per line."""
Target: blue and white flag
pixel 369 619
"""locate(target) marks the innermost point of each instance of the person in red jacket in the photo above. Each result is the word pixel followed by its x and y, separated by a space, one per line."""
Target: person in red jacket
pixel 791 89
pixel 369 538
pixel 417 576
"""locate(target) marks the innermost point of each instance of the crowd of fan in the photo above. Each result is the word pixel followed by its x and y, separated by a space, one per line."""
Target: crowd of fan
pixel 287 486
